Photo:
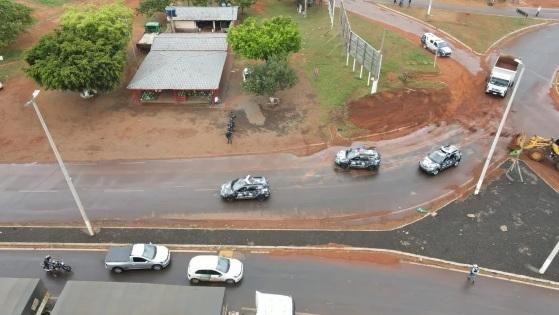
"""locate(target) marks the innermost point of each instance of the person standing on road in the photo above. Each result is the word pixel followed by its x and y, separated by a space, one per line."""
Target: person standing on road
pixel 474 271
pixel 394 2
pixel 229 136
pixel 538 11
pixel 401 3
pixel 409 3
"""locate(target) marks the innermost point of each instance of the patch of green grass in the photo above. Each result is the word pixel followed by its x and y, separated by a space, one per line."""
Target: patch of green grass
pixel 52 3
pixel 9 70
pixel 10 55
pixel 478 31
pixel 399 54
pixel 323 49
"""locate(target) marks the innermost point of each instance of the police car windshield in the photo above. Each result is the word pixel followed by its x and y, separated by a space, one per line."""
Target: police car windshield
pixel 437 156
pixel 351 153
pixel 442 44
pixel 238 183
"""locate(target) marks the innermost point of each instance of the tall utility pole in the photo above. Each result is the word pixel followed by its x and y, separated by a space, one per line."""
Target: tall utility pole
pixel 429 8
pixel 60 163
pixel 498 134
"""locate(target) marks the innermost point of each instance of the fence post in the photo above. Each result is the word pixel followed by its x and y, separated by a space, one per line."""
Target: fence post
pixel 369 79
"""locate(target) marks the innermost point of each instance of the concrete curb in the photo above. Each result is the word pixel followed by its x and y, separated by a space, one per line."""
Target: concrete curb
pixel 409 258
pixel 518 31
pixel 504 37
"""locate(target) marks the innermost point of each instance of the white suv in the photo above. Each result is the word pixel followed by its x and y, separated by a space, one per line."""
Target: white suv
pixel 435 44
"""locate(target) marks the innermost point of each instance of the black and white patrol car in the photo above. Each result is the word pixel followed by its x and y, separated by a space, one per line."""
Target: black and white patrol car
pixel 441 159
pixel 249 187
pixel 359 157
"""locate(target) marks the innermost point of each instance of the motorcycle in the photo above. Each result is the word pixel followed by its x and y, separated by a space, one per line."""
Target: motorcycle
pixel 51 264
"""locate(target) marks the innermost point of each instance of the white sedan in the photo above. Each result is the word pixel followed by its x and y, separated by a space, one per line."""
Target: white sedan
pixel 215 269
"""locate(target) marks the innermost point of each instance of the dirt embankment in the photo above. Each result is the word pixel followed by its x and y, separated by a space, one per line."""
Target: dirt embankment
pixel 462 101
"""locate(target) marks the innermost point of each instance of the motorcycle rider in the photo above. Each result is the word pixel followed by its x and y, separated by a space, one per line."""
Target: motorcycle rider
pixel 47 263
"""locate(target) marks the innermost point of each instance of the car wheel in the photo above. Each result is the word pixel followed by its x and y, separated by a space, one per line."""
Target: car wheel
pixel 157 267
pixel 230 281
pixel 118 270
pixel 261 197
pixel 229 198
pixel 67 268
pixel 194 281
pixel 345 166
pixel 456 163
pixel 372 168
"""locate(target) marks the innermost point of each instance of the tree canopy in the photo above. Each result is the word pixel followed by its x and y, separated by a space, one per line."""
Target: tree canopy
pixel 150 7
pixel 270 77
pixel 278 36
pixel 87 50
pixel 15 19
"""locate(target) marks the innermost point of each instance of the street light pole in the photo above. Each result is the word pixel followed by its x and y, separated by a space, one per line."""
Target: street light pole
pixel 498 134
pixel 60 163
pixel 429 8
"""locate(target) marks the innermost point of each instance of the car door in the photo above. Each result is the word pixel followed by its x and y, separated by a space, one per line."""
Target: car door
pixel 241 193
pixel 448 161
pixel 216 276
pixel 203 275
pixel 140 263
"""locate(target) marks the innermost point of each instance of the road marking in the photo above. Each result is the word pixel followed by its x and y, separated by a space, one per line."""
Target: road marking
pixel 180 186
pixel 122 190
pixel 132 162
pixel 82 164
pixel 204 189
pixel 549 259
pixel 37 191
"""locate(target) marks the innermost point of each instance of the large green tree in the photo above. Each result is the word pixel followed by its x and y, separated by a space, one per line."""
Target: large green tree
pixel 14 19
pixel 150 7
pixel 278 36
pixel 87 50
pixel 270 77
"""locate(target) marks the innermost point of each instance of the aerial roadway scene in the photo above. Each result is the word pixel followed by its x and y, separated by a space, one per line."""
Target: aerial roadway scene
pixel 279 157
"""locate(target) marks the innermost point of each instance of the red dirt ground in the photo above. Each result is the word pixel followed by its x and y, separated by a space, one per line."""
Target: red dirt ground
pixel 112 126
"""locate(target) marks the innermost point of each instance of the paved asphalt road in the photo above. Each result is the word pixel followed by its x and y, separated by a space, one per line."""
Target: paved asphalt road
pixel 547 13
pixel 321 286
pixel 309 186
pixel 469 231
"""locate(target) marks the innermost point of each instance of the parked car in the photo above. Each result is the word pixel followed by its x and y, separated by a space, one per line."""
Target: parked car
pixel 215 269
pixel 359 157
pixel 137 256
pixel 436 45
pixel 441 159
pixel 248 187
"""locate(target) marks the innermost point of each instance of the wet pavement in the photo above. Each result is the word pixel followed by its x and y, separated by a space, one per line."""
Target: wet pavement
pixel 318 285
pixel 545 13
pixel 302 187
pixel 470 231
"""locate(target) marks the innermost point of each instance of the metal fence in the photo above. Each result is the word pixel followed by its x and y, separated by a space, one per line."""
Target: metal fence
pixel 362 52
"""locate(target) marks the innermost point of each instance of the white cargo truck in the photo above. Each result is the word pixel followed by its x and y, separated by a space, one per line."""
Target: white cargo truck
pixel 502 75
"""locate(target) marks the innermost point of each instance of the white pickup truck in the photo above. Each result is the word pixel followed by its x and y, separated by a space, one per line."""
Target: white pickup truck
pixel 502 75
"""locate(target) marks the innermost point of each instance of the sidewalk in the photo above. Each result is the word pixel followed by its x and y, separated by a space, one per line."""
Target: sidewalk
pixel 511 227
pixel 545 13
